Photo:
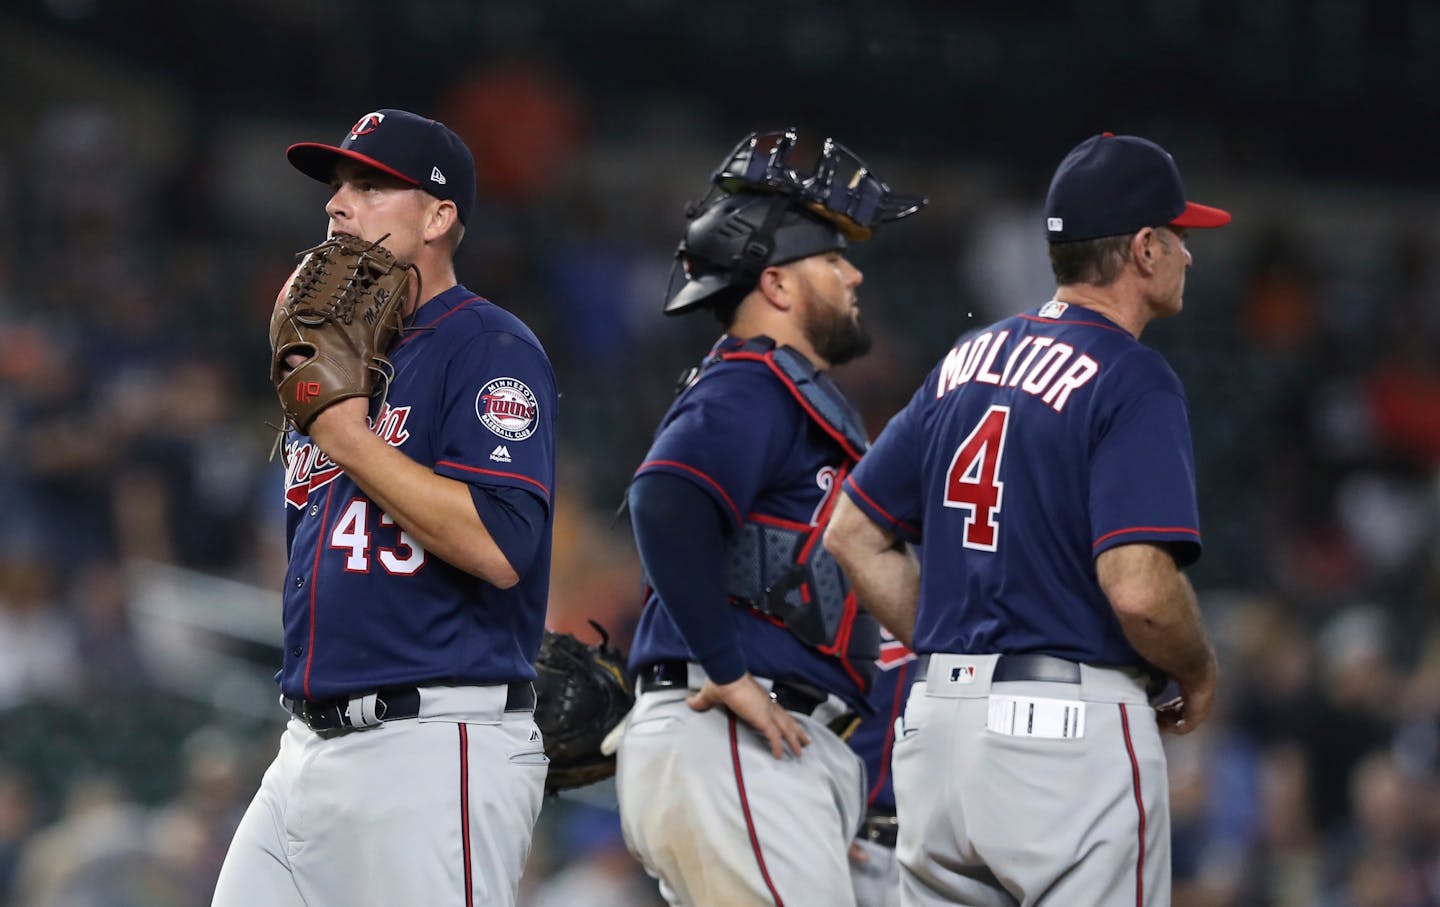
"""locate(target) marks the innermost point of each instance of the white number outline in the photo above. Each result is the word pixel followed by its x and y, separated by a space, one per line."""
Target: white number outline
pixel 351 533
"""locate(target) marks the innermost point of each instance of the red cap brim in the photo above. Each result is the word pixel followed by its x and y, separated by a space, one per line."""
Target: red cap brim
pixel 1201 217
pixel 317 161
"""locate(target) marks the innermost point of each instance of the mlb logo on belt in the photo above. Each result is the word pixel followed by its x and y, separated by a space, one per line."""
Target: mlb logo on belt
pixel 962 674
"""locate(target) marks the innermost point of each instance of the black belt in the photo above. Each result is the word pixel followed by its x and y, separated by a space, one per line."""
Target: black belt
pixel 391 704
pixel 880 827
pixel 1035 668
pixel 1038 668
pixel 792 696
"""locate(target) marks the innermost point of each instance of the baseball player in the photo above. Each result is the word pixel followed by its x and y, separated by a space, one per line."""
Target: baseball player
pixel 874 870
pixel 1047 462
pixel 411 770
pixel 735 784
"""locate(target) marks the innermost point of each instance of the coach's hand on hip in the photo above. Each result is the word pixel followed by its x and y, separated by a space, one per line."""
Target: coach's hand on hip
pixel 748 700
pixel 1183 714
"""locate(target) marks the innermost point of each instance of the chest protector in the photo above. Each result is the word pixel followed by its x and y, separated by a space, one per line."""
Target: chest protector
pixel 778 567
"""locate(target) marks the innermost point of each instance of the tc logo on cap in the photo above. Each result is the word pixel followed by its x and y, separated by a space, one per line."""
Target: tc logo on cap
pixel 368 124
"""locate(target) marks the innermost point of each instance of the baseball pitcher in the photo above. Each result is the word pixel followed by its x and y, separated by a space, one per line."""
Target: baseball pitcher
pixel 420 463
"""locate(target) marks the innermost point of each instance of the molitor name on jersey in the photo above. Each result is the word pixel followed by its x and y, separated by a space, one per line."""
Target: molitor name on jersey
pixel 508 408
pixel 1037 365
pixel 308 468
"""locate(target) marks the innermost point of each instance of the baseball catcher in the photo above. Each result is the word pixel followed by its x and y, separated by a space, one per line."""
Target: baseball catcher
pixel 582 692
pixel 332 324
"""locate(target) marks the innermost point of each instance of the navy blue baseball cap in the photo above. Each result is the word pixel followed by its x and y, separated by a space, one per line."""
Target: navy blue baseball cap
pixel 1110 185
pixel 420 151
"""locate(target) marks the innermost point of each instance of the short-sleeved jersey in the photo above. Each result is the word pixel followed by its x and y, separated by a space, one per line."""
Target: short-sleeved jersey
pixel 473 398
pixel 1036 444
pixel 874 737
pixel 738 433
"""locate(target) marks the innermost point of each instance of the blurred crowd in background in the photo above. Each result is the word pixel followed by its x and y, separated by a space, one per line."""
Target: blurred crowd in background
pixel 145 228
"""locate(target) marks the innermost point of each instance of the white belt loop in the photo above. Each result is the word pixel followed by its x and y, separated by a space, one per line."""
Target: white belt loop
pixel 360 711
pixel 696 677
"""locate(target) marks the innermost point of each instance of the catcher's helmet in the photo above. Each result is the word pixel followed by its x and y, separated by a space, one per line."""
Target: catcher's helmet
pixel 761 212
pixel 729 244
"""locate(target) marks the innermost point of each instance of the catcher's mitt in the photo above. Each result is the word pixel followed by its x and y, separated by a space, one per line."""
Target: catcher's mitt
pixel 340 311
pixel 582 692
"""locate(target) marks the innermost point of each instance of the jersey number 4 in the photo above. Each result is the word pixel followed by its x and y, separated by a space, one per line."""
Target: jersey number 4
pixel 971 482
pixel 352 534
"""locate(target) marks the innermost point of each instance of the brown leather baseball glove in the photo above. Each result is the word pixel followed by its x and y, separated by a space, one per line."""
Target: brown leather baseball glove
pixel 340 312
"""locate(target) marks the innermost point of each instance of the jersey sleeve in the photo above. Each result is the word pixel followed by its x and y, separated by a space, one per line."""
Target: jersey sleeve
pixel 1142 478
pixel 887 484
pixel 727 434
pixel 498 423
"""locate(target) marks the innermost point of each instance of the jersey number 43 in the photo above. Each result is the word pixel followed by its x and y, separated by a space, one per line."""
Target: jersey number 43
pixel 971 482
pixel 352 535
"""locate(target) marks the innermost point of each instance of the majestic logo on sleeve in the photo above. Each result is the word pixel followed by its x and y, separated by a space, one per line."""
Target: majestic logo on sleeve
pixel 507 407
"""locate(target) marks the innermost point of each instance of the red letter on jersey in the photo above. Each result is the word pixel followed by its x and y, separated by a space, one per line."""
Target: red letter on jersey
pixel 971 482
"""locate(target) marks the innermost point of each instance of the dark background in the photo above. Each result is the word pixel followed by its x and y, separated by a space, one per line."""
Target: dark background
pixel 147 218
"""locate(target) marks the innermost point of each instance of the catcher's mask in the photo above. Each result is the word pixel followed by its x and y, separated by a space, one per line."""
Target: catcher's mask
pixel 760 212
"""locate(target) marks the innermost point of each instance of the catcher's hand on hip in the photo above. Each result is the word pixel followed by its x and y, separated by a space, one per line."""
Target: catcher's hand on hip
pixel 332 324
pixel 747 700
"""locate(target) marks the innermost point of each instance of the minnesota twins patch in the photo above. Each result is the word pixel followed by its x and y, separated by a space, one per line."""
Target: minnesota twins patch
pixel 507 407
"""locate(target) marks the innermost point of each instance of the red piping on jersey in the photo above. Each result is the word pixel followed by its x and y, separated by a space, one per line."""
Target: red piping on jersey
pixel 495 472
pixel 1111 535
pixel 314 581
pixel 889 744
pixel 735 511
pixel 465 811
pixel 1088 324
pixel 1139 806
pixel 883 512
pixel 767 520
pixel 749 820
pixel 769 360
pixel 418 333
pixel 842 640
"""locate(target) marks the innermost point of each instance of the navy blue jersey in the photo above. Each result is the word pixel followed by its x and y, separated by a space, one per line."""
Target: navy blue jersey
pixel 874 738
pixel 1036 444
pixel 741 436
pixel 365 606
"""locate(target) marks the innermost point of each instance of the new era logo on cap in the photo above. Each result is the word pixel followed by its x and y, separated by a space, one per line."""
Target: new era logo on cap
pixel 1055 224
pixel 418 150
